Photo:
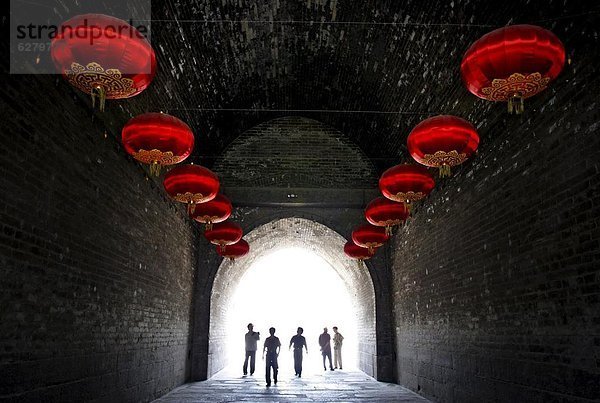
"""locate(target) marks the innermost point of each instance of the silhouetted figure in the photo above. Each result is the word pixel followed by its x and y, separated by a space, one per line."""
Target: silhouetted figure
pixel 272 346
pixel 251 338
pixel 325 343
pixel 298 341
pixel 337 348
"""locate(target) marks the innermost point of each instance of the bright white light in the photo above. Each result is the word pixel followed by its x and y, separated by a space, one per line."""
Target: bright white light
pixel 289 288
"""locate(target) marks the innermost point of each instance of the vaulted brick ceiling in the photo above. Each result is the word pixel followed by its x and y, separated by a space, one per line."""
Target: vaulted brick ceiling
pixel 371 70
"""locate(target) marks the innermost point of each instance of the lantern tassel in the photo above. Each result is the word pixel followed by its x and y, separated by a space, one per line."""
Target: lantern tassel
pixel 155 168
pixel 231 260
pixel 359 263
pixel 516 104
pixel 100 93
pixel 191 207
pixel 222 247
pixel 445 171
pixel 208 226
pixel 388 230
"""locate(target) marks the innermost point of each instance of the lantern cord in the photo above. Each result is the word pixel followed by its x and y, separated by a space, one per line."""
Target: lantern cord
pixel 371 250
pixel 516 104
pixel 388 230
pixel 359 263
pixel 222 247
pixel 100 93
pixel 208 226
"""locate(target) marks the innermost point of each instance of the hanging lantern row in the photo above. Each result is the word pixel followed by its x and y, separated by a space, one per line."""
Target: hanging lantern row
pixel 159 139
pixel 509 65
pixel 440 142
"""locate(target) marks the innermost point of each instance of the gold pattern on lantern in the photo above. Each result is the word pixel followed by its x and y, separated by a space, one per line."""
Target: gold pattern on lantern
pixel 407 197
pixel 189 197
pixel 207 220
pixel 440 158
pixel 523 86
pixel 444 160
pixel 100 83
pixel 156 159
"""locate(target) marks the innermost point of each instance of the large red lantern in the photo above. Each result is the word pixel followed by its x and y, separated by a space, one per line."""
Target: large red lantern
pixel 383 212
pixel 354 251
pixel 191 184
pixel 234 251
pixel 223 234
pixel 442 142
pixel 157 139
pixel 406 183
pixel 103 56
pixel 512 63
pixel 212 212
pixel 370 236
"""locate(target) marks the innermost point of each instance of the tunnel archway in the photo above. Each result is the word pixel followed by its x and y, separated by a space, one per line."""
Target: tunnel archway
pixel 294 232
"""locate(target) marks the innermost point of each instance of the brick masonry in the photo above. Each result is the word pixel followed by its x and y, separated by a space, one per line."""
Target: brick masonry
pixel 295 151
pixel 496 283
pixel 97 264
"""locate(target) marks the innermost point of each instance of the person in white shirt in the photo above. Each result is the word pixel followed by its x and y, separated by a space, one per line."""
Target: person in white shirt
pixel 337 348
pixel 251 338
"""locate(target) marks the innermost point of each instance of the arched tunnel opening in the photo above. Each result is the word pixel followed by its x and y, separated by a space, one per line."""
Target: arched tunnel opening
pixel 311 284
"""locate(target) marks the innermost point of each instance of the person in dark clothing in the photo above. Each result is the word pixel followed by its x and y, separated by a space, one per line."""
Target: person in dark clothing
pixel 272 347
pixel 298 341
pixel 325 343
pixel 251 338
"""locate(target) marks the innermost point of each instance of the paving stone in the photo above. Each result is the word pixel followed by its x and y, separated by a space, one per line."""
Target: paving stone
pixel 338 386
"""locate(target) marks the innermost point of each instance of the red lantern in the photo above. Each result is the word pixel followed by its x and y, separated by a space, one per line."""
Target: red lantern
pixel 223 234
pixel 442 142
pixel 370 236
pixel 386 213
pixel 212 212
pixel 103 56
pixel 512 63
pixel 406 183
pixel 157 139
pixel 191 184
pixel 234 251
pixel 356 252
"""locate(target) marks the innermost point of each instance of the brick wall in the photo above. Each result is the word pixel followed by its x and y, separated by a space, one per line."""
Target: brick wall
pixel 298 152
pixel 97 264
pixel 496 281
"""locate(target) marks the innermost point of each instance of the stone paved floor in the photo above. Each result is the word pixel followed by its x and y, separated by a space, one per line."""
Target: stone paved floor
pixel 336 386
